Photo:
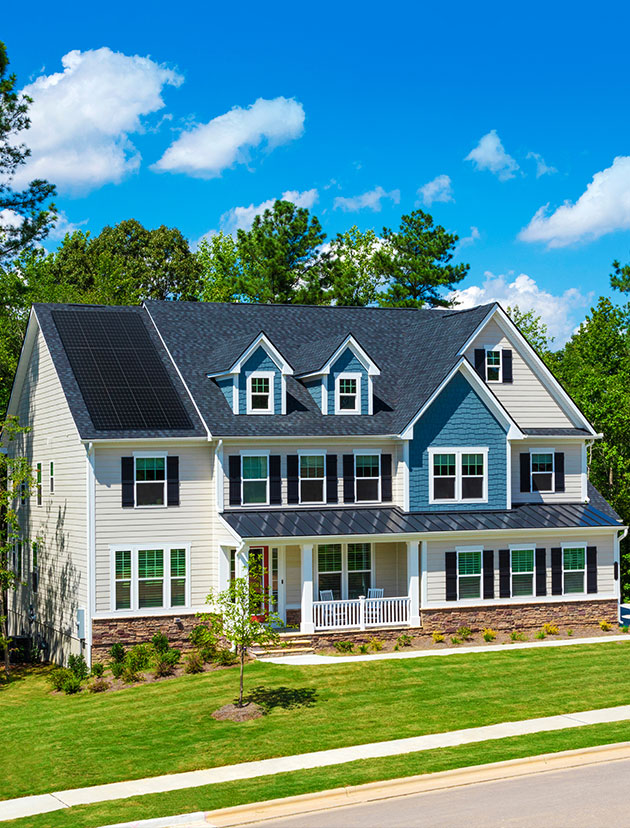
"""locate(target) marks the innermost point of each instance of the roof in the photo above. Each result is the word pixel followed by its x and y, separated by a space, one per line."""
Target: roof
pixel 294 523
pixel 556 432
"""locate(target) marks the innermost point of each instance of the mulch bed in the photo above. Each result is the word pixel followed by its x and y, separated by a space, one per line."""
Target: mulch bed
pixel 234 713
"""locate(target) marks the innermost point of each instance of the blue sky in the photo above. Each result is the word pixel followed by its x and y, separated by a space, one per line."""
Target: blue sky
pixel 360 107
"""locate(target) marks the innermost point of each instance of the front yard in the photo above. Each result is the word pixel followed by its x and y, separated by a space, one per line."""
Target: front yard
pixel 53 742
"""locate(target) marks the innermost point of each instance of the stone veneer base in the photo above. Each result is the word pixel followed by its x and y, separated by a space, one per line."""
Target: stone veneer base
pixel 139 629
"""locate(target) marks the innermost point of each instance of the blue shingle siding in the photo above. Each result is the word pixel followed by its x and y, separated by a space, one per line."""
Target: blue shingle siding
pixel 226 385
pixel 347 362
pixel 314 388
pixel 259 361
pixel 458 417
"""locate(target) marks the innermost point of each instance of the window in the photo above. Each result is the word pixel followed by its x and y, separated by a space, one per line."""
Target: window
pixel 255 476
pixel 35 572
pixel 367 473
pixel 150 578
pixel 146 579
pixel 493 366
pixel 52 477
pixel 312 474
pixel 329 568
pixel 178 577
pixel 469 573
pixel 39 484
pixel 458 475
pixel 232 565
pixel 122 577
pixel 522 572
pixel 17 559
pixel 150 481
pixel 275 579
pixel 573 561
pixel 542 468
pixel 359 569
pixel 260 393
pixel 348 394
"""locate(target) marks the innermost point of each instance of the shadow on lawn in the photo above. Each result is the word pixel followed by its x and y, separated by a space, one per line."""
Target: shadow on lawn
pixel 288 698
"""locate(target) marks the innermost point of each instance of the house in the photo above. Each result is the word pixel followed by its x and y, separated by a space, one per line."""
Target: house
pixel 389 467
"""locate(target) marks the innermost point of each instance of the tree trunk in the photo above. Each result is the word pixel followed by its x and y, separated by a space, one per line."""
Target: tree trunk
pixel 4 632
pixel 240 698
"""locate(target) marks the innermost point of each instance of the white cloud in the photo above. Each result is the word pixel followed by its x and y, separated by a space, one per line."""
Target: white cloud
pixel 205 150
pixel 9 218
pixel 82 117
pixel 561 312
pixel 468 240
pixel 63 225
pixel 440 189
pixel 602 208
pixel 489 154
pixel 542 168
pixel 366 201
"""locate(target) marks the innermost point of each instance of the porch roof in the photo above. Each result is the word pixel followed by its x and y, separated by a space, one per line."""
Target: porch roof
pixel 289 523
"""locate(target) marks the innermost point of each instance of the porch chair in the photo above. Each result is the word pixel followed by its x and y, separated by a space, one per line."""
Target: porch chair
pixel 375 592
pixel 329 612
pixel 326 595
pixel 373 612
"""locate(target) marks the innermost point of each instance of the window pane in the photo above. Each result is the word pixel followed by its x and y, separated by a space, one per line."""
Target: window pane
pixel 574 558
pixel 311 466
pixel 255 491
pixel 469 563
pixel 472 464
pixel 359 556
pixel 260 385
pixel 149 494
pixel 347 386
pixel 542 462
pixel 150 594
pixel 444 488
pixel 260 401
pixel 150 468
pixel 522 585
pixel 367 465
pixel 541 482
pixel 522 560
pixel 329 557
pixel 444 465
pixel 472 488
pixel 367 490
pixel 470 587
pixel 123 594
pixel 574 582
pixel 178 592
pixel 123 564
pixel 178 562
pixel 358 584
pixel 254 468
pixel 151 563
pixel 493 363
pixel 347 403
pixel 312 491
pixel 331 581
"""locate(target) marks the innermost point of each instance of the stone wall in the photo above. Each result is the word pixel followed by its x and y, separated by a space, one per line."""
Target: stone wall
pixel 326 640
pixel 293 617
pixel 130 631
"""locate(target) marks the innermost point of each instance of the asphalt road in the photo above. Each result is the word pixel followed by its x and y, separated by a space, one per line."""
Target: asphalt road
pixel 586 797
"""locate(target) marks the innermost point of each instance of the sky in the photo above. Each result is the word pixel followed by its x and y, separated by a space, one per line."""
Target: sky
pixel 507 122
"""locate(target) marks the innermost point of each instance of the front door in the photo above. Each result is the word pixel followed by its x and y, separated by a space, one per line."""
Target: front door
pixel 267 568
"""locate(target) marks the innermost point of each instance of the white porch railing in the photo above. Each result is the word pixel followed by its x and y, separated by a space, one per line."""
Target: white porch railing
pixel 361 613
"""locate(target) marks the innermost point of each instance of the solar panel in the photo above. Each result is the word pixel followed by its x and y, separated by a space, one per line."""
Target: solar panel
pixel 121 377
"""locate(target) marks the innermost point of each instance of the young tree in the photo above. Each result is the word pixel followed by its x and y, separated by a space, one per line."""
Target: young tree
pixel 220 268
pixel 25 221
pixel 417 261
pixel 354 275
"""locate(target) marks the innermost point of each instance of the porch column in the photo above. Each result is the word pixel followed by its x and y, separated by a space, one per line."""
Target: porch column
pixel 242 562
pixel 306 623
pixel 413 583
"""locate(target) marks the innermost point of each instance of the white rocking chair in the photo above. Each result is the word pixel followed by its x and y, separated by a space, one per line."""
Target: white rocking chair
pixel 373 610
pixel 326 595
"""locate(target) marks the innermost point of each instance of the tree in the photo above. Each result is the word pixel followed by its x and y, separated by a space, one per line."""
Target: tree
pixel 279 257
pixel 353 272
pixel 26 222
pixel 417 261
pixel 620 278
pixel 239 618
pixel 533 329
pixel 220 268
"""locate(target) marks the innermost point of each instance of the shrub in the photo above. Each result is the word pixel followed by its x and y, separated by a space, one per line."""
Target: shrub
pixel 569 632
pixel 225 657
pixel 550 629
pixel 72 685
pixel 139 658
pixel 99 685
pixel 130 676
pixel 78 665
pixel 625 628
pixel 375 644
pixel 438 637
pixel 605 626
pixel 363 649
pixel 455 640
pixel 194 663
pixel 541 634
pixel 344 646
pixel 489 635
pixel 160 642
pixel 404 640
pixel 117 653
pixel 117 669
pixel 465 633
pixel 203 639
pixel 164 662
pixel 98 669
pixel 517 636
pixel 58 677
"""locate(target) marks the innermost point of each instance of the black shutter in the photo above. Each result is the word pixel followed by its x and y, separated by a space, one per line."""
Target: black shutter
pixel 556 571
pixel 507 365
pixel 348 478
pixel 616 570
pixel 235 480
pixel 480 362
pixel 488 573
pixel 332 488
pixel 172 481
pixel 541 572
pixel 293 483
pixel 386 478
pixel 126 479
pixel 275 480
pixel 504 573
pixel 591 569
pixel 559 470
pixel 525 467
pixel 450 567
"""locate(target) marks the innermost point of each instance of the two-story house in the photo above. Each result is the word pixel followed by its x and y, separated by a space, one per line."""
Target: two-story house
pixel 389 467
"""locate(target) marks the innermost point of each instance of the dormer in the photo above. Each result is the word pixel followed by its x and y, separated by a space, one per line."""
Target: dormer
pixel 343 384
pixel 256 382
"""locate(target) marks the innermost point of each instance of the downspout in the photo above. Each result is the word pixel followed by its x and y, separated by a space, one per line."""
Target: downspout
pixel 90 492
pixel 218 466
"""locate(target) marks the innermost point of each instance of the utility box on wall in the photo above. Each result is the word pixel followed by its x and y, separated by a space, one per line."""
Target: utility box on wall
pixel 80 623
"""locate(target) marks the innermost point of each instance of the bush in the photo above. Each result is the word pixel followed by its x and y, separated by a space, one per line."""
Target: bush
pixel 550 629
pixel 375 644
pixel 465 633
pixel 488 634
pixel 344 646
pixel 117 668
pixel 569 632
pixel 363 649
pixel 438 637
pixel 72 685
pixel 203 639
pixel 58 677
pixel 455 640
pixel 605 626
pixel 541 634
pixel 160 642
pixel 517 636
pixel 404 640
pixel 225 657
pixel 129 676
pixel 625 628
pixel 78 665
pixel 98 669
pixel 164 662
pixel 99 685
pixel 139 658
pixel 117 653
pixel 194 663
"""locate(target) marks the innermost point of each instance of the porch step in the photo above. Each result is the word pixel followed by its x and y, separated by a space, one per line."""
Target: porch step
pixel 290 644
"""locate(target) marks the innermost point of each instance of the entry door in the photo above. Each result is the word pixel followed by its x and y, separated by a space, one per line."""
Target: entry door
pixel 272 580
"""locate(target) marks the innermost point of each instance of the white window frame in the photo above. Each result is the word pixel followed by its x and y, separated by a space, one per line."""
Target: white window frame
pixel 369 453
pixel 254 453
pixel 494 351
pixel 577 545
pixel 348 375
pixel 546 450
pixel 459 550
pixel 270 375
pixel 146 455
pixel 166 587
pixel 51 478
pixel 458 452
pixel 523 547
pixel 39 483
pixel 312 453
pixel 344 566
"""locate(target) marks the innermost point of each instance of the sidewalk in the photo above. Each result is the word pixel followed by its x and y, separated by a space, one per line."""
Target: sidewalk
pixel 44 803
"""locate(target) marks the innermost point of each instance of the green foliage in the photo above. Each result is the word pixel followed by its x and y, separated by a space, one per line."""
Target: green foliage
pixel 550 629
pixel 375 644
pixel 98 685
pixel 117 653
pixel 569 632
pixel 533 329
pixel 160 642
pixel 404 640
pixel 517 636
pixel 625 628
pixel 438 637
pixel 79 668
pixel 117 668
pixel 220 268
pixel 353 273
pixel 363 648
pixel 455 640
pixel 131 676
pixel 165 661
pixel 489 635
pixel 205 640
pixel 541 634
pixel 98 669
pixel 193 663
pixel 58 677
pixel 344 646
pixel 225 657
pixel 72 685
pixel 139 658
pixel 465 633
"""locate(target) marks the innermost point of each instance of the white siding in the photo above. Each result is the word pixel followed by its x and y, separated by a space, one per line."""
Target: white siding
pixel 572 474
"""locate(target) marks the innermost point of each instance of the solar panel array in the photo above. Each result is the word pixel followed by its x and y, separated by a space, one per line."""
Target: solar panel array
pixel 121 377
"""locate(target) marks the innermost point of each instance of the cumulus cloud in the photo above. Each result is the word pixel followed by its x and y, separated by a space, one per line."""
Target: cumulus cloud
pixel 602 208
pixel 489 154
pixel 561 312
pixel 82 117
pixel 205 150
pixel 471 239
pixel 366 201
pixel 542 168
pixel 440 189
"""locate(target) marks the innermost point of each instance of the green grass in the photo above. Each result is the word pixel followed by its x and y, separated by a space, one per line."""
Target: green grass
pixel 211 797
pixel 57 742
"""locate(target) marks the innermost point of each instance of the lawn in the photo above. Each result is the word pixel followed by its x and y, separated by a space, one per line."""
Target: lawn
pixel 52 742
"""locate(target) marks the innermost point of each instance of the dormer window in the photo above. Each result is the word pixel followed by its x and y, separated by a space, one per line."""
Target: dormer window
pixel 260 393
pixel 348 394
pixel 493 366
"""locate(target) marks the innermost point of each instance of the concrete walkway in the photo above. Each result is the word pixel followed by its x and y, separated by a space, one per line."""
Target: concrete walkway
pixel 485 648
pixel 43 803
